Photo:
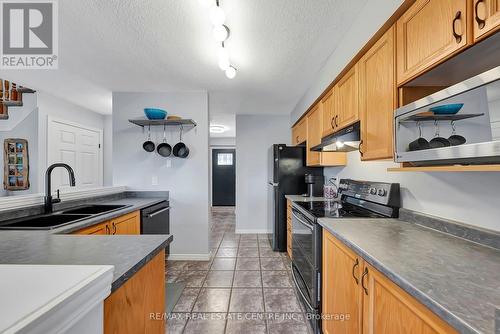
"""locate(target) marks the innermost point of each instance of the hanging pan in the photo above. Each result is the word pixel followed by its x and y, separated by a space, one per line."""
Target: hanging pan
pixel 164 149
pixel 180 149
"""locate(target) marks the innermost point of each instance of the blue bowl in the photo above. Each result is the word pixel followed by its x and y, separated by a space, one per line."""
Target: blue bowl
pixel 154 113
pixel 447 109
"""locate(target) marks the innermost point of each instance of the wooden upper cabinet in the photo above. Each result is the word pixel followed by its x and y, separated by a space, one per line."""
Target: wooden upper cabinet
pixel 328 107
pixel 377 98
pixel 314 131
pixel 347 98
pixel 429 32
pixel 389 309
pixel 299 132
pixel 486 18
pixel 341 287
pixel 314 134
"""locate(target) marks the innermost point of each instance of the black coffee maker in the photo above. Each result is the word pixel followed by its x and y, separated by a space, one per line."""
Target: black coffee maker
pixel 314 185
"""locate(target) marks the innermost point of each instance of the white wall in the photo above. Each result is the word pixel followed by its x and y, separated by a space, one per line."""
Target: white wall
pixel 186 179
pixel 254 135
pixel 223 141
pixel 49 105
pixel 470 197
pixel 374 14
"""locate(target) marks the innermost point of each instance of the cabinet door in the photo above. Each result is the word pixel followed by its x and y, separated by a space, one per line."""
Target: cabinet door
pixel 127 224
pixel 314 131
pixel 127 310
pixel 377 98
pixel 299 132
pixel 99 229
pixel 347 98
pixel 427 33
pixel 328 107
pixel 486 18
pixel 388 309
pixel 341 287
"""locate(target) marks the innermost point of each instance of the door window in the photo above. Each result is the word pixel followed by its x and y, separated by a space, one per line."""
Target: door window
pixel 225 159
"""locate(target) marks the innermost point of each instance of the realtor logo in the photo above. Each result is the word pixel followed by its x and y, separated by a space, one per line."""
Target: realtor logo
pixel 29 34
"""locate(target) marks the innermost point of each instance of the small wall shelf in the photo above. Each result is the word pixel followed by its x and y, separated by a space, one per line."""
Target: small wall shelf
pixel 432 117
pixel 185 123
pixel 452 168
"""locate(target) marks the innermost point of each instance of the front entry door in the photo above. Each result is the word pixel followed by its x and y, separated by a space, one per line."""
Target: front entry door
pixel 223 177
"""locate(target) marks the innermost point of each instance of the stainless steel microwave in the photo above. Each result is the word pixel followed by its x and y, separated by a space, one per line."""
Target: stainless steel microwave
pixel 457 125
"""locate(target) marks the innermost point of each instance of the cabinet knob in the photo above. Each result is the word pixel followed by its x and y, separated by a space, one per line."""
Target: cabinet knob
pixel 480 22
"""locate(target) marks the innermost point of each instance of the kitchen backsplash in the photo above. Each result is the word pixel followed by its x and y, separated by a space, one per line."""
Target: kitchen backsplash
pixel 467 197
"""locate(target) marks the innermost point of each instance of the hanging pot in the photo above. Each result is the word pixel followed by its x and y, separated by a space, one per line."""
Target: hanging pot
pixel 148 145
pixel 164 149
pixel 180 149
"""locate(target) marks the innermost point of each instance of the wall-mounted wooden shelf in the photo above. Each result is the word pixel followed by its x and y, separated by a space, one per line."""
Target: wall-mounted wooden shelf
pixel 185 123
pixel 454 168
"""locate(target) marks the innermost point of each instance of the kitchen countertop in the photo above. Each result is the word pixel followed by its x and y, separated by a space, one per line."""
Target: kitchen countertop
pixel 58 296
pixel 457 279
pixel 300 198
pixel 127 253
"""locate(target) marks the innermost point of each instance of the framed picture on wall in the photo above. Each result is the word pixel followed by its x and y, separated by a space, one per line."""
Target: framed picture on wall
pixel 16 164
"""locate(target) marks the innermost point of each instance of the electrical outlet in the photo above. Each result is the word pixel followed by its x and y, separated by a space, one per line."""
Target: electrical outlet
pixel 154 180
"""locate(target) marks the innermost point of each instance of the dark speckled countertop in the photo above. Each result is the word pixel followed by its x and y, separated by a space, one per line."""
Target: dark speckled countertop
pixel 127 253
pixel 457 279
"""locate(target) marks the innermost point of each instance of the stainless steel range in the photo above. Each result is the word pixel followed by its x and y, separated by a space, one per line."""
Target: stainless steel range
pixel 359 199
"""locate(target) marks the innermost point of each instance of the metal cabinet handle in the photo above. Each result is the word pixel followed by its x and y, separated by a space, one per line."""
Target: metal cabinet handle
pixel 108 231
pixel 332 122
pixel 114 228
pixel 151 215
pixel 360 148
pixel 458 16
pixel 365 272
pixel 480 22
pixel 336 119
pixel 297 139
pixel 353 270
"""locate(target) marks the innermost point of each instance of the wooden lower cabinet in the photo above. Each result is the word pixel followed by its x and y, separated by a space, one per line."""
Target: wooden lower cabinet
pixel 373 302
pixel 341 292
pixel 129 309
pixel 126 224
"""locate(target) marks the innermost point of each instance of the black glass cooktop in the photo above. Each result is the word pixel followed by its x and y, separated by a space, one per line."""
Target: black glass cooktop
pixel 331 209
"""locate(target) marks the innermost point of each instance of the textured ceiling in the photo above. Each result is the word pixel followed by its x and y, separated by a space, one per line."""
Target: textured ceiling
pixel 278 47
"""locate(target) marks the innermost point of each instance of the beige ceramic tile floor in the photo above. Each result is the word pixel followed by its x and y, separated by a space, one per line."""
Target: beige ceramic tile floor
pixel 244 288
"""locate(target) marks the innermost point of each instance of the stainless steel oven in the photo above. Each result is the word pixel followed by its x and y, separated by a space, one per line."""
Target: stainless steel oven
pixel 306 263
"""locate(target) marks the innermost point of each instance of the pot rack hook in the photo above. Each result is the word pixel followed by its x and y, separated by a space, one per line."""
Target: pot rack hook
pixel 164 133
pixel 419 125
pixel 453 127
pixel 180 137
pixel 436 128
pixel 149 132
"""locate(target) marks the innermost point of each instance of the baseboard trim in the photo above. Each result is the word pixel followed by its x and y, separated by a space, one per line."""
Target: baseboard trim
pixel 189 257
pixel 252 231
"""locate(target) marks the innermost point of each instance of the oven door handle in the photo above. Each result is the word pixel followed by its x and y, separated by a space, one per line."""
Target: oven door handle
pixel 298 288
pixel 309 226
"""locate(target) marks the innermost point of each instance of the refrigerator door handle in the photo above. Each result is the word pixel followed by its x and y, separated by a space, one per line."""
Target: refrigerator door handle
pixel 274 184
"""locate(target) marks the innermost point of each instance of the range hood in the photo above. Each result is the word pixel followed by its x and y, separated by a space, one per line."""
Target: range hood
pixel 345 140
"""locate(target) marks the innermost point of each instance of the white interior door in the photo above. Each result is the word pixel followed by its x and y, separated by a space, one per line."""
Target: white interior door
pixel 79 147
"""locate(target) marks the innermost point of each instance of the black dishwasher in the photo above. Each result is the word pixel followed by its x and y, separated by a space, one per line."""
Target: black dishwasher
pixel 155 219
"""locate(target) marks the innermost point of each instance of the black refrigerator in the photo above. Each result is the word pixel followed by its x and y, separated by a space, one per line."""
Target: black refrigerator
pixel 286 175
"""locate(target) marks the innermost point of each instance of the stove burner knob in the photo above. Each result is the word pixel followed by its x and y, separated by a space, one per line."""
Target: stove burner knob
pixel 373 191
pixel 382 192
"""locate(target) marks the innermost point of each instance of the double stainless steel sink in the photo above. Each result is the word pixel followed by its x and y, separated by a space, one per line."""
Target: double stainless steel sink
pixel 58 219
